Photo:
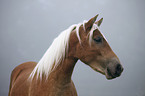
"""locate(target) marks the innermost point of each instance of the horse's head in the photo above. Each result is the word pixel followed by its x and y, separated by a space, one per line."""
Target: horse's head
pixel 94 50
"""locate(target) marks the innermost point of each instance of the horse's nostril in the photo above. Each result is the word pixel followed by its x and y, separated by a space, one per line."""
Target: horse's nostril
pixel 118 67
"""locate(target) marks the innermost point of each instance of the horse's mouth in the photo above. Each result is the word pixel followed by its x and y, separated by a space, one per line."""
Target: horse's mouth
pixel 111 71
pixel 109 75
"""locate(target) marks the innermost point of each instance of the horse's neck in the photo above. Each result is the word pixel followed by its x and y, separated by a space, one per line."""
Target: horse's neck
pixel 62 74
pixel 58 82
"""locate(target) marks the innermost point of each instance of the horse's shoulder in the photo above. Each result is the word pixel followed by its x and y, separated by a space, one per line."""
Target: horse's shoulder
pixel 21 68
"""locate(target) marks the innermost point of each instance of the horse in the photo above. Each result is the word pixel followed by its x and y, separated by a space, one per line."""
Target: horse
pixel 51 76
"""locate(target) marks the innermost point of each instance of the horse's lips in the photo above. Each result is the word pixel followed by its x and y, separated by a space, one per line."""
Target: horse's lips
pixel 105 72
pixel 109 75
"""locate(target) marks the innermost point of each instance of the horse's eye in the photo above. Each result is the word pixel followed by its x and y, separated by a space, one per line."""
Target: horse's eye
pixel 98 39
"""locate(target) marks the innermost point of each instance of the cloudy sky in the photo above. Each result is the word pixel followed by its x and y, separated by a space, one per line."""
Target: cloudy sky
pixel 28 27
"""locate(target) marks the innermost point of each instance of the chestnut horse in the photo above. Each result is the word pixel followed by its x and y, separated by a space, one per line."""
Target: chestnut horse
pixel 51 76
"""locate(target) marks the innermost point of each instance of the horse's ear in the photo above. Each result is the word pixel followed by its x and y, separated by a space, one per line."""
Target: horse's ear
pixel 99 22
pixel 90 23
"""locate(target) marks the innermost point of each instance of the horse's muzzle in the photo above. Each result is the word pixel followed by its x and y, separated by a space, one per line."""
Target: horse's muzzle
pixel 114 69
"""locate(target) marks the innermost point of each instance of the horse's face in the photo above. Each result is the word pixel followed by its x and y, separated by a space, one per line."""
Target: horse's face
pixel 96 52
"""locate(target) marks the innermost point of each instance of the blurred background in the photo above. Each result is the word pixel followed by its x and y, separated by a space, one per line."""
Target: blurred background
pixel 28 27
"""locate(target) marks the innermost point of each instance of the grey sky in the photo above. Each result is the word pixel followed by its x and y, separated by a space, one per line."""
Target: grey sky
pixel 27 28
